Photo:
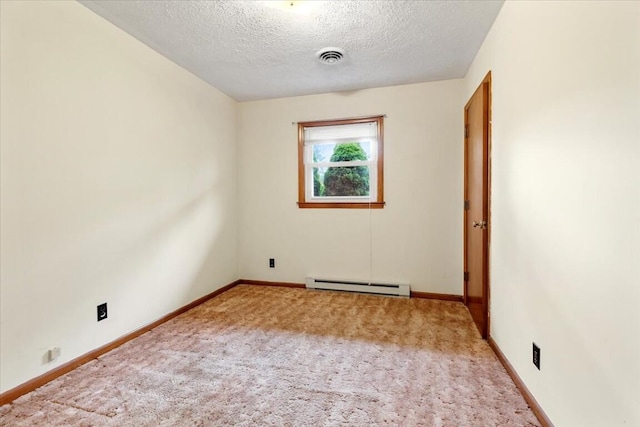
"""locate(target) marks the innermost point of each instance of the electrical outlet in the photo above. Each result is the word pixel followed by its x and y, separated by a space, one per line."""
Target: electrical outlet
pixel 272 263
pixel 536 356
pixel 102 311
pixel 53 354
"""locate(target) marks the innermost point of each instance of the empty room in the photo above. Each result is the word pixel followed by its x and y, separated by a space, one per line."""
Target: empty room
pixel 319 213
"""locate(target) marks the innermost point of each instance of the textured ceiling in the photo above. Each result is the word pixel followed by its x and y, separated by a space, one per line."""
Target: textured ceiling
pixel 255 50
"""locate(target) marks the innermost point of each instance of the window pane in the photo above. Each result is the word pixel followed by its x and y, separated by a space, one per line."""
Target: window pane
pixel 366 147
pixel 342 152
pixel 318 181
pixel 347 181
pixel 349 152
pixel 322 152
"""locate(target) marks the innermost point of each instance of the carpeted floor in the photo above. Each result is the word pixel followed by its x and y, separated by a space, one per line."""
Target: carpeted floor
pixel 266 356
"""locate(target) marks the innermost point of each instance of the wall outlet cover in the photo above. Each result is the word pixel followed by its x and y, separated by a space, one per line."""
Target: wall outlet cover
pixel 102 311
pixel 53 354
pixel 536 356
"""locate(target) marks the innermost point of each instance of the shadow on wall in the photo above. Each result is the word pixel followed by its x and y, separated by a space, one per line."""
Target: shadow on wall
pixel 180 254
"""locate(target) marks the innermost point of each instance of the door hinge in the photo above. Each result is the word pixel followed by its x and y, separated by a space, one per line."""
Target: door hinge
pixel 466 276
pixel 466 131
pixel 466 205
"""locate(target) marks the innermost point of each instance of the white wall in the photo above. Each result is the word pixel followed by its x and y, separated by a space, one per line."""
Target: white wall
pixel 417 237
pixel 565 239
pixel 118 185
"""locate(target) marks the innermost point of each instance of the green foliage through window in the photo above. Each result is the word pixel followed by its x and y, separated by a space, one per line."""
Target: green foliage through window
pixel 318 185
pixel 346 180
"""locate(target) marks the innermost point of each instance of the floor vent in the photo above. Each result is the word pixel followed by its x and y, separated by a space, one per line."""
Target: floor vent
pixel 400 290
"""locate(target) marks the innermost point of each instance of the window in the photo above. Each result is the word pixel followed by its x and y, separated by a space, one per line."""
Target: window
pixel 340 163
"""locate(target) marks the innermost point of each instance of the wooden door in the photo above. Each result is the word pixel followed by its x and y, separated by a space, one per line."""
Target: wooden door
pixel 476 205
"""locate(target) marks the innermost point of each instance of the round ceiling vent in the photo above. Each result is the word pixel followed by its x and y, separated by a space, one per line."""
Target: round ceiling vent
pixel 330 55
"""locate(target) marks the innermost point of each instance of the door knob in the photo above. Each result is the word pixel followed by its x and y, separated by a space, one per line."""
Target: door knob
pixel 481 224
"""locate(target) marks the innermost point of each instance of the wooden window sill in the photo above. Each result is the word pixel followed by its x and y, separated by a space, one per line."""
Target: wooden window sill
pixel 310 205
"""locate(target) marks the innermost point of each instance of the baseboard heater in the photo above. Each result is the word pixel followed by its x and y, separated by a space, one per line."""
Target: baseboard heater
pixel 401 290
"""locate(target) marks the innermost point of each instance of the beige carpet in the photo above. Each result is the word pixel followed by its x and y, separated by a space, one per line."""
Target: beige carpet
pixel 265 356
